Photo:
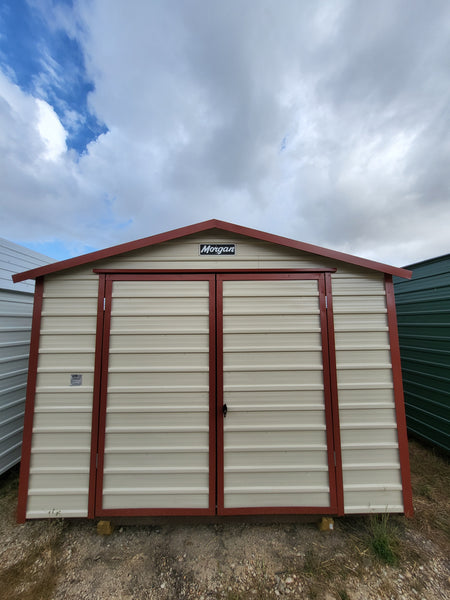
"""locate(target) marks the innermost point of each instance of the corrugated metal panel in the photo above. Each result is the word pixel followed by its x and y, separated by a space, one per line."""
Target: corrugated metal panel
pixel 370 456
pixel 423 310
pixel 16 307
pixel 15 326
pixel 275 450
pixel 14 259
pixel 157 422
pixel 61 441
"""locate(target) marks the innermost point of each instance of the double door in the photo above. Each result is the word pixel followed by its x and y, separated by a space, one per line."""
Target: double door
pixel 215 395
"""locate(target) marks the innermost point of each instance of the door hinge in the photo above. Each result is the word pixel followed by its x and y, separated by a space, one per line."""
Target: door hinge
pixel 104 304
pixel 326 301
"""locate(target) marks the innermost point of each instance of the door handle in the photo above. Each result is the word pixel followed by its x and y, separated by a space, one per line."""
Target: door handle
pixel 224 410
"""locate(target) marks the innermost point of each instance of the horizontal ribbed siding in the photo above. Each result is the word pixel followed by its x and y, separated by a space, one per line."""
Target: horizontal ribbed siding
pixel 184 254
pixel 14 259
pixel 61 442
pixel 370 456
pixel 157 421
pixel 275 451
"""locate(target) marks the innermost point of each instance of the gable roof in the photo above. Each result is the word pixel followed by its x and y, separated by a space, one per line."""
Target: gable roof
pixel 202 227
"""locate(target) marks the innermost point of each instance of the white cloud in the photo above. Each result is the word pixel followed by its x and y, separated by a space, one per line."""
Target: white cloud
pixel 198 99
pixel 51 131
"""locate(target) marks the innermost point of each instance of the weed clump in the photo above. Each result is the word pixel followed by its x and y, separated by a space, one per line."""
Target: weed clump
pixel 384 540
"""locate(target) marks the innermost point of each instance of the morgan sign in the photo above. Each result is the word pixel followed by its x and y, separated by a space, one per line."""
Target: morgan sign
pixel 217 249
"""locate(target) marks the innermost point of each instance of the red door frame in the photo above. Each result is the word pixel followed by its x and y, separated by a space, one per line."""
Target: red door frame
pixel 216 491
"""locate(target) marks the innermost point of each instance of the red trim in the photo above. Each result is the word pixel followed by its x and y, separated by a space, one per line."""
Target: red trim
pixel 103 397
pixel 398 395
pixel 212 396
pixel 204 227
pixel 96 395
pixel 213 271
pixel 334 397
pixel 29 404
pixel 220 398
pixel 221 510
pixel 327 394
pixel 99 510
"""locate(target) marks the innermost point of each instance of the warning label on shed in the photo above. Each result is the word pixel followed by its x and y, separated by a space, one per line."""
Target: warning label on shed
pixel 217 249
pixel 76 379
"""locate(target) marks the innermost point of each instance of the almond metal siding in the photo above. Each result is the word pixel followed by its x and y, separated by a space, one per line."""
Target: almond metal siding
pixel 275 446
pixel 61 439
pixel 156 451
pixel 369 440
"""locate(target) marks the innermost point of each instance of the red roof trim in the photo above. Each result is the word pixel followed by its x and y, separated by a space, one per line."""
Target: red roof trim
pixel 205 226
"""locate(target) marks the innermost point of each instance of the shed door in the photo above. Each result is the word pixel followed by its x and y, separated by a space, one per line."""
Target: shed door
pixel 176 350
pixel 156 446
pixel 275 448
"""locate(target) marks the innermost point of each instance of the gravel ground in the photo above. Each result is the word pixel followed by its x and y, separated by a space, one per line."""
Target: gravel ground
pixel 232 559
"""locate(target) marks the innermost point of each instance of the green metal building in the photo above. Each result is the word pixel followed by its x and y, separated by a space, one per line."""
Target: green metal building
pixel 423 311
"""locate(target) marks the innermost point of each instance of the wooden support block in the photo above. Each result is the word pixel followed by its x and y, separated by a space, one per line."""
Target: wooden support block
pixel 105 528
pixel 326 524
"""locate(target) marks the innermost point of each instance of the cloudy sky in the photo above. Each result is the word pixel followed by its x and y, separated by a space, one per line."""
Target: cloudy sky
pixel 327 122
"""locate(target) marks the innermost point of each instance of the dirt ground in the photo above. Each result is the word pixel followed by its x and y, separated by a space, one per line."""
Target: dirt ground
pixel 235 559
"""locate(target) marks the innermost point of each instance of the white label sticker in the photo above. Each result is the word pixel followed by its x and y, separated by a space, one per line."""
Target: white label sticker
pixel 76 379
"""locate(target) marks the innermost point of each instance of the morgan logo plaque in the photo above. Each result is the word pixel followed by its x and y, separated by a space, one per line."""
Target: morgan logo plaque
pixel 217 249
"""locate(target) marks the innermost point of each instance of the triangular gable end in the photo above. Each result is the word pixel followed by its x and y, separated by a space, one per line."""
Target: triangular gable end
pixel 203 227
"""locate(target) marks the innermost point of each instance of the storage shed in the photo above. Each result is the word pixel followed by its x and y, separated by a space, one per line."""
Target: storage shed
pixel 214 369
pixel 424 331
pixel 16 307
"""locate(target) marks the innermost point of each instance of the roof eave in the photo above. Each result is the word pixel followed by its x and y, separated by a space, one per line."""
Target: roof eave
pixel 205 226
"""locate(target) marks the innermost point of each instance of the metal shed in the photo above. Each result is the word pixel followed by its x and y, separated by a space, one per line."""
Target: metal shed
pixel 16 307
pixel 214 369
pixel 424 331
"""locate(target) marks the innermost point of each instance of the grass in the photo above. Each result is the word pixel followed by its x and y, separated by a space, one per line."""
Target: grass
pixel 313 564
pixel 430 478
pixel 384 540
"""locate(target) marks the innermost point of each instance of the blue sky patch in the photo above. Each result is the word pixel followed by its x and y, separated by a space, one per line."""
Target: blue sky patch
pixel 58 249
pixel 48 64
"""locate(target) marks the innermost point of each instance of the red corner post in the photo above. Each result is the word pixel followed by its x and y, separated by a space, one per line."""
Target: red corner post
pixel 399 399
pixel 29 403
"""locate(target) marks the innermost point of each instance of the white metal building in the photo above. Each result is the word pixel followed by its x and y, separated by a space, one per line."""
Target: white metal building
pixel 16 307
pixel 214 369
